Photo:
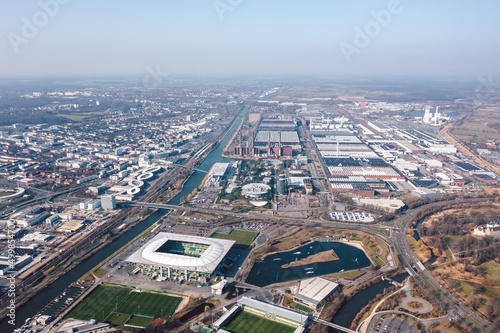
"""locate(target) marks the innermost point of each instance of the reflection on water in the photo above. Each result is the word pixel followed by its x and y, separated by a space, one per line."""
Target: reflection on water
pixel 270 271
pixel 350 309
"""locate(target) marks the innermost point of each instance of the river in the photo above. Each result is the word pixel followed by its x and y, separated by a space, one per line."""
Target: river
pixel 350 309
pixel 38 302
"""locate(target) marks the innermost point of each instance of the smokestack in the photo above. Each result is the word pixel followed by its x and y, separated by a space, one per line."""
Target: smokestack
pixel 279 144
pixel 241 145
pixel 269 143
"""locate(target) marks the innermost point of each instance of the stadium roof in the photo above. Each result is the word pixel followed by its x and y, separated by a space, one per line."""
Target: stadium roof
pixel 276 310
pixel 207 262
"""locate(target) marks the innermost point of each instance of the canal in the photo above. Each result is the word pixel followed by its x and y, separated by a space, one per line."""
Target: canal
pixel 215 156
pixel 37 303
pixel 270 270
pixel 350 309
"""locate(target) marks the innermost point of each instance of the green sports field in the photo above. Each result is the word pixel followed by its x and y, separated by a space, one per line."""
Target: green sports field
pixel 241 237
pixel 115 304
pixel 249 323
pixel 139 321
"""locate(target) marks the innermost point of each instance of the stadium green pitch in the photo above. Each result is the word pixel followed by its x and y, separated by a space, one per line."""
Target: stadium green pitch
pixel 241 237
pixel 246 322
pixel 116 304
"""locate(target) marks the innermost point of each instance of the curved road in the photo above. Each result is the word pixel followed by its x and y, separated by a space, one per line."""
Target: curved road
pixel 456 309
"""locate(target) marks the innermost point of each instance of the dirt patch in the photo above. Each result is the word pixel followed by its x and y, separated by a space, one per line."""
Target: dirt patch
pixel 415 305
pixel 323 256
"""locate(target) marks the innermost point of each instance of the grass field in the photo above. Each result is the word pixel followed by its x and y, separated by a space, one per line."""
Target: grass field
pixel 302 307
pixel 492 270
pixel 241 237
pixel 140 321
pixel 115 304
pixel 249 323
pixel 100 272
pixel 480 126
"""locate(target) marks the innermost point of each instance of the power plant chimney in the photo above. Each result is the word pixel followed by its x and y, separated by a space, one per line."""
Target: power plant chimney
pixel 268 143
pixel 279 144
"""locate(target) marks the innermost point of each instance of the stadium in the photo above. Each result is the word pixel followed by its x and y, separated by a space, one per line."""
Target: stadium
pixel 182 257
pixel 250 315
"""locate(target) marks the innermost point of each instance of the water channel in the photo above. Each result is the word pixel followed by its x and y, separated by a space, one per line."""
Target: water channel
pixel 43 298
pixel 350 309
pixel 269 271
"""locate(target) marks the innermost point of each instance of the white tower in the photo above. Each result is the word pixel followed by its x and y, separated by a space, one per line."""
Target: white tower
pixel 427 115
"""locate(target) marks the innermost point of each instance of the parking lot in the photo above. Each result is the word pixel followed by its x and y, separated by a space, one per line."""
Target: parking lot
pixel 352 216
pixel 392 324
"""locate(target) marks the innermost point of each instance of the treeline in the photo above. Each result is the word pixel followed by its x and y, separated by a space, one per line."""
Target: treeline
pixel 453 225
pixel 33 119
pixel 443 234
pixel 493 312
pixel 480 250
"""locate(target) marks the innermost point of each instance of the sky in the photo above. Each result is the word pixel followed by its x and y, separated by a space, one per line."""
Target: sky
pixel 451 38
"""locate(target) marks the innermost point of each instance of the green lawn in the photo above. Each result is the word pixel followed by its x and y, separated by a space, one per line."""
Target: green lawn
pixel 100 303
pixel 115 304
pixel 492 270
pixel 100 272
pixel 241 237
pixel 249 323
pixel 151 304
pixel 302 308
pixel 139 321
pixel 349 275
pixel 117 319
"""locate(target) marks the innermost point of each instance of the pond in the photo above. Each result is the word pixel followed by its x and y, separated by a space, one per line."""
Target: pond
pixel 270 270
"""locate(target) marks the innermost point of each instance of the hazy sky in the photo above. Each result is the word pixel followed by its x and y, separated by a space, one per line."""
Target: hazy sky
pixel 260 37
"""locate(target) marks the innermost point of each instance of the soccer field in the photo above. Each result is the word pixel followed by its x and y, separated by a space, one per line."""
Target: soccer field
pixel 115 304
pixel 248 323
pixel 241 237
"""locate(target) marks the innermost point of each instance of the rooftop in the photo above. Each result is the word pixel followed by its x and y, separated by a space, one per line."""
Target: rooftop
pixel 207 261
pixel 315 290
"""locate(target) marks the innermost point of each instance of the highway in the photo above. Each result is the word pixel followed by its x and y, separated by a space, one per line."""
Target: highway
pixel 46 197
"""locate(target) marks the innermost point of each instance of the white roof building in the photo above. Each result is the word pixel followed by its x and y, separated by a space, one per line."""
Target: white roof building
pixel 313 291
pixel 255 190
pixel 209 254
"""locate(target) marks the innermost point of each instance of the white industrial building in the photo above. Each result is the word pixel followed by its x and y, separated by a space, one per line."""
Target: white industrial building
pixel 313 291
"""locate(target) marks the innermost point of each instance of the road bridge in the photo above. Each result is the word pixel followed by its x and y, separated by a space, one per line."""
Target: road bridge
pixel 344 225
pixel 188 167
